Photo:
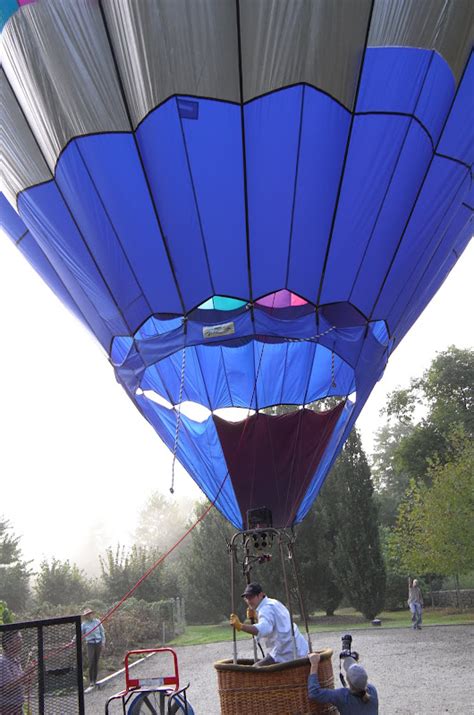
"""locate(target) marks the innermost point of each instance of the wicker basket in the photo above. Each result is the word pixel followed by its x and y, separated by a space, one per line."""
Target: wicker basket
pixel 280 689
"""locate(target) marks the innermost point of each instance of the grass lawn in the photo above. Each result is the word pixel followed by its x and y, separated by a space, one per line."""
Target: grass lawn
pixel 200 635
pixel 344 619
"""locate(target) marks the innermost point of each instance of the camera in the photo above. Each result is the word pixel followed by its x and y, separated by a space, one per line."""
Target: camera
pixel 346 651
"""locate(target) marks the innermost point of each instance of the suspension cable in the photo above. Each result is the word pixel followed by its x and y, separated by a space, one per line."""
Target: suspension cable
pixel 178 417
pixel 291 553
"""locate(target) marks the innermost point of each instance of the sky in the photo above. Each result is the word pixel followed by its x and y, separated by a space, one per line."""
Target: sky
pixel 77 460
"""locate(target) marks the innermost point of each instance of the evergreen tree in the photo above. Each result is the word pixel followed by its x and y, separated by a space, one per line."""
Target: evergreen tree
pixel 358 562
pixel 396 573
pixel 206 569
pixel 14 571
pixel 315 547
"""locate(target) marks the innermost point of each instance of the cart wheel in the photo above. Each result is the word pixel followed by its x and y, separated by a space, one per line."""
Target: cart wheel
pixel 179 706
pixel 144 704
pixel 148 704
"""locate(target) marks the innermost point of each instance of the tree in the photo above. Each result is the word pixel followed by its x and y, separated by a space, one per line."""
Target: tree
pixel 448 513
pixel 161 523
pixel 389 476
pixel 315 545
pixel 6 615
pixel 435 528
pixel 407 541
pixel 396 574
pixel 61 583
pixel 358 563
pixel 14 570
pixel 421 419
pixel 121 570
pixel 206 570
pixel 446 394
pixel 448 387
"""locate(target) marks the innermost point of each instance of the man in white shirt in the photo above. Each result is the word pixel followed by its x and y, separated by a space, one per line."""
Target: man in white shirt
pixel 273 625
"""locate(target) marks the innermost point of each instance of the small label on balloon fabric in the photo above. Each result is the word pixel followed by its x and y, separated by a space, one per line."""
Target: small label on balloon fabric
pixel 215 331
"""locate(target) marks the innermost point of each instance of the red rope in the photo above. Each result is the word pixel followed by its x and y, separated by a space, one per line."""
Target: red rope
pixel 129 593
pixel 34 664
pixel 193 526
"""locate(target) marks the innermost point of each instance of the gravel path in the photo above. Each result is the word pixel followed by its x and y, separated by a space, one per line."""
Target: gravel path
pixel 426 672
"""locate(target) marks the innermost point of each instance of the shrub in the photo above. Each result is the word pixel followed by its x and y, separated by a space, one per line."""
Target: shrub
pixel 139 624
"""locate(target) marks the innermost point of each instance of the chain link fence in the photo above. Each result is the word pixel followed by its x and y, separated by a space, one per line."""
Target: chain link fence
pixel 41 667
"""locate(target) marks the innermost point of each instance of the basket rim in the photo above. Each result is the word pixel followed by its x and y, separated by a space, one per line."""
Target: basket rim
pixel 247 665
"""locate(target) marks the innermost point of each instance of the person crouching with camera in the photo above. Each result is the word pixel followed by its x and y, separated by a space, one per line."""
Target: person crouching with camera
pixel 359 697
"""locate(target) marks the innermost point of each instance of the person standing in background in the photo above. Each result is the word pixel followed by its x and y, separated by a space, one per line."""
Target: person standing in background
pixel 13 678
pixel 94 635
pixel 415 603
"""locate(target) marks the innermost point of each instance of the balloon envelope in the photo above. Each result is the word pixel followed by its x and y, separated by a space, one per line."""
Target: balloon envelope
pixel 248 204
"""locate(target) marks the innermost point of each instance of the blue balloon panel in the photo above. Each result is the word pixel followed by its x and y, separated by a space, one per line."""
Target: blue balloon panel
pixel 251 254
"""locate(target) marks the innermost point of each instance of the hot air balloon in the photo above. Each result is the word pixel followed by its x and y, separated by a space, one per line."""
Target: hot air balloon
pixel 247 203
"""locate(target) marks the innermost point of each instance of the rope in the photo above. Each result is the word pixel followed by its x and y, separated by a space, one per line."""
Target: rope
pixel 291 554
pixel 178 418
pixel 287 589
pixel 160 560
pixel 311 337
pixel 333 375
pixel 129 593
pixel 112 610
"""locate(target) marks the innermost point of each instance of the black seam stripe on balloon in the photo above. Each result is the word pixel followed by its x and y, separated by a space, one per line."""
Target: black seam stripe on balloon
pixel 244 149
pixel 140 157
pixel 389 183
pixel 195 197
pixel 114 229
pixel 18 240
pixel 346 154
pixel 422 184
pixel 81 236
pixel 60 280
pixel 427 266
pixel 408 115
pixel 310 371
pixel 196 354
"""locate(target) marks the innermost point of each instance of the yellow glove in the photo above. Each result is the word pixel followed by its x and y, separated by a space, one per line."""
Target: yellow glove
pixel 252 613
pixel 235 621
